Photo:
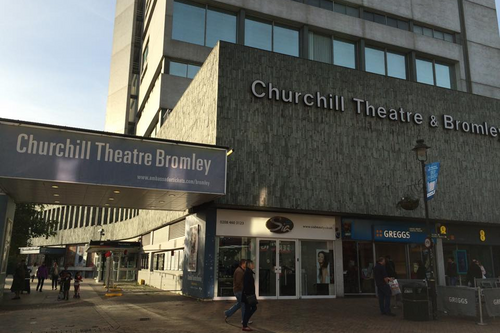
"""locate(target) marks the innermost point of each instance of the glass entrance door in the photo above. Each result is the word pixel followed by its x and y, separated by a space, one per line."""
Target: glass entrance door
pixel 277 268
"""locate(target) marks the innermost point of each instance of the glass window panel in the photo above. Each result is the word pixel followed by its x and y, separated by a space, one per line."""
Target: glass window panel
pixel 403 25
pixel 396 65
pixel 192 70
pixel 258 34
pixel 220 26
pixel 326 4
pixel 448 37
pixel 397 251
pixel 344 54
pixel 443 76
pixel 340 8
pixel 366 265
pixel 189 23
pixel 351 11
pixel 379 18
pixel 368 16
pixel 229 251
pixel 424 72
pixel 374 61
pixel 286 41
pixel 320 48
pixel 427 32
pixel 438 34
pixel 316 268
pixel 314 3
pixel 178 69
pixel 392 22
pixel 418 29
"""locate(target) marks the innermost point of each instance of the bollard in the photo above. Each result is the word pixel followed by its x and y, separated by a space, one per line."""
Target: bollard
pixel 481 322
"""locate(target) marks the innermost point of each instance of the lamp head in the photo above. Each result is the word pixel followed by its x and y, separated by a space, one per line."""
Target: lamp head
pixel 420 150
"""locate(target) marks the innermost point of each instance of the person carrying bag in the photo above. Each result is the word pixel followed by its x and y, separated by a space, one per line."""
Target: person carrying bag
pixel 249 297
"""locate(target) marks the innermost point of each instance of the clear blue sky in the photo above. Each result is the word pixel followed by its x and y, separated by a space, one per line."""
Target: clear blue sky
pixel 54 60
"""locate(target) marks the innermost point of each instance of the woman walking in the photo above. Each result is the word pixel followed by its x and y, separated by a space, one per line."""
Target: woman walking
pixel 54 275
pixel 249 297
pixel 18 283
pixel 42 273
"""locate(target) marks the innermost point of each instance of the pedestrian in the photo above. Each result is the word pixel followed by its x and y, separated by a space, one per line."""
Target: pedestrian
pixel 451 272
pixel 238 279
pixel 483 270
pixel 474 272
pixel 27 278
pixel 383 288
pixel 390 267
pixel 78 280
pixel 54 275
pixel 42 273
pixel 249 297
pixel 18 282
pixel 34 271
pixel 65 276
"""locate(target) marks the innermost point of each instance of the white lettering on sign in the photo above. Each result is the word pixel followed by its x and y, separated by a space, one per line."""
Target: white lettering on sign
pixel 397 234
pixel 458 300
pixel 496 301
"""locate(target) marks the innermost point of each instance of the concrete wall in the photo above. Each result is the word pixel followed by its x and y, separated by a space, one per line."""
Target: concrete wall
pixel 121 58
pixel 296 157
pixel 7 210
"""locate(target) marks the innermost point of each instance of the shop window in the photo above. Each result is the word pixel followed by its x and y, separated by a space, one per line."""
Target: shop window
pixel 385 63
pixel 200 25
pixel 229 251
pixel 270 37
pixel 317 268
pixel 358 267
pixel 397 253
pixel 183 70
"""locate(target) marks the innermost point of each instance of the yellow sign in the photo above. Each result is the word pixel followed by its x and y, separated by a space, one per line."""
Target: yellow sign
pixel 482 235
pixel 442 230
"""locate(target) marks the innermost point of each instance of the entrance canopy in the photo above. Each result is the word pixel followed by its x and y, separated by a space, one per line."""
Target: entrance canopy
pixel 42 250
pixel 114 246
pixel 58 165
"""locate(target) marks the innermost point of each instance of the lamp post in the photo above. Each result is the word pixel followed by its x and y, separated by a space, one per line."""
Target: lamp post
pixel 420 150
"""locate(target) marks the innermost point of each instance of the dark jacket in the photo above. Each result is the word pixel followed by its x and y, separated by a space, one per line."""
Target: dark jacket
pixel 474 272
pixel 390 267
pixel 249 283
pixel 421 273
pixel 42 272
pixel 451 269
pixel 18 282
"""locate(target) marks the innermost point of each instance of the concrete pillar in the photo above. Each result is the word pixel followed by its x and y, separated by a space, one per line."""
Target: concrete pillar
pixel 339 261
pixel 440 262
pixel 7 210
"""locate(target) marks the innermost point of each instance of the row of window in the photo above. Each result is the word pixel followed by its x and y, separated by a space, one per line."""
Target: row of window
pixel 168 261
pixel 278 38
pixel 378 18
pixel 69 217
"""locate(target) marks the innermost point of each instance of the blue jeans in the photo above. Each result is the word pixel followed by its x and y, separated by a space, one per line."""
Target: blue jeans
pixel 384 299
pixel 235 307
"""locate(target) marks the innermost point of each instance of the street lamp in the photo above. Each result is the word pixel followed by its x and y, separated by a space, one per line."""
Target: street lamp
pixel 420 150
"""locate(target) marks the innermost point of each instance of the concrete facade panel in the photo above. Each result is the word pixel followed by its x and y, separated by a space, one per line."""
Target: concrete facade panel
pixel 482 25
pixel 116 118
pixel 172 89
pixel 401 8
pixel 485 65
pixel 443 13
pixel 486 3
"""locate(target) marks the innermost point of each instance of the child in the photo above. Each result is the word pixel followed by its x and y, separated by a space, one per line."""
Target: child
pixel 78 279
pixel 65 283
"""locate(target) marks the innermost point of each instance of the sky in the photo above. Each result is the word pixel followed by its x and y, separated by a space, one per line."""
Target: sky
pixel 54 60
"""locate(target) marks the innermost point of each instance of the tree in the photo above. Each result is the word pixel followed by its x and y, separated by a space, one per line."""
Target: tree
pixel 28 223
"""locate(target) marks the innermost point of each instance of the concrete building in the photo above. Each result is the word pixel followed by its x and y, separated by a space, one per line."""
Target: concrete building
pixel 322 102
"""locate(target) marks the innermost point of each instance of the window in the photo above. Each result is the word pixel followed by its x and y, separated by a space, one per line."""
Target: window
pixel 145 261
pixel 325 4
pixel 385 63
pixel 325 49
pixel 317 268
pixel 430 72
pixel 424 72
pixel 183 70
pixel 201 25
pixel 443 76
pixel 270 37
pixel 159 262
pixel 145 55
pixel 386 20
pixel 433 33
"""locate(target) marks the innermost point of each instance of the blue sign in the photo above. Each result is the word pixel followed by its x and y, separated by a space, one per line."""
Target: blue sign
pixel 431 172
pixel 399 234
pixel 60 155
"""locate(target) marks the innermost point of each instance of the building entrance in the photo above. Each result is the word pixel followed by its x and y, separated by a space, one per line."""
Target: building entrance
pixel 277 268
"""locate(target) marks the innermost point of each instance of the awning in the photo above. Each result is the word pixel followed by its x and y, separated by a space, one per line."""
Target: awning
pixel 114 246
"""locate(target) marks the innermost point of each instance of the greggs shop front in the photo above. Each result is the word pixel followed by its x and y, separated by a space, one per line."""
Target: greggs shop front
pixel 363 241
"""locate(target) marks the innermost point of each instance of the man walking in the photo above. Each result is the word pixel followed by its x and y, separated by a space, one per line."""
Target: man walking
pixel 42 273
pixel 451 272
pixel 238 279
pixel 383 288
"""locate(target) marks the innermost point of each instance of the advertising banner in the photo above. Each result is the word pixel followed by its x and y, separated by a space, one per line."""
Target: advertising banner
pixel 431 172
pixel 457 301
pixel 47 154
pixel 492 301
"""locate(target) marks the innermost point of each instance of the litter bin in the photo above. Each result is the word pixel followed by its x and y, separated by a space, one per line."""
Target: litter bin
pixel 415 302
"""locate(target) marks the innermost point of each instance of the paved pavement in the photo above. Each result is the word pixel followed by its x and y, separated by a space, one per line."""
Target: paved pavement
pixel 144 309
